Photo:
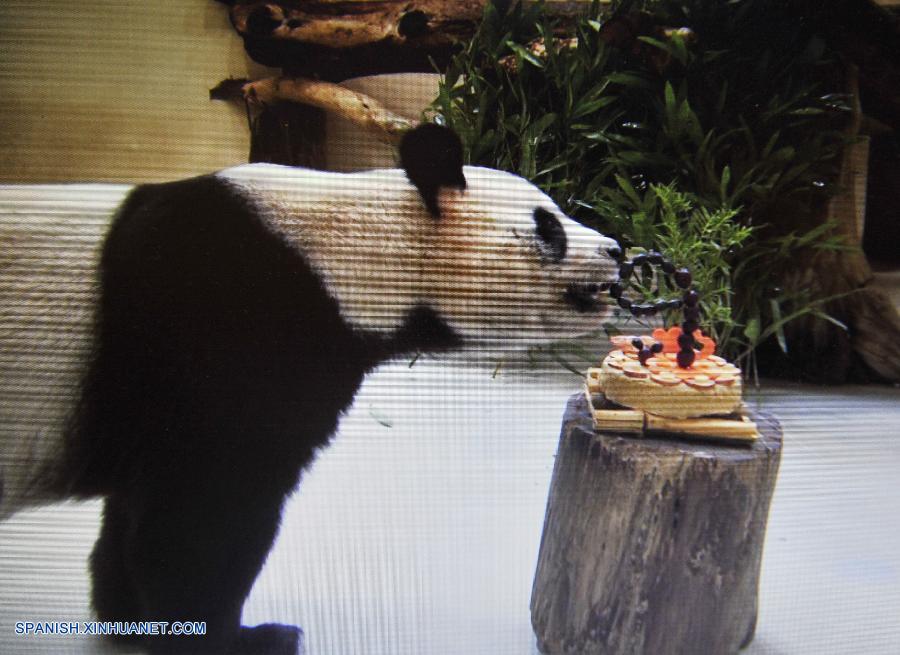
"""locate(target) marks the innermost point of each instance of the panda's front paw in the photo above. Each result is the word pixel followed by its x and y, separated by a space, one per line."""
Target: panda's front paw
pixel 269 639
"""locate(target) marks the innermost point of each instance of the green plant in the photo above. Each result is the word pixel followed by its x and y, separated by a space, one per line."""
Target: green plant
pixel 702 240
pixel 718 144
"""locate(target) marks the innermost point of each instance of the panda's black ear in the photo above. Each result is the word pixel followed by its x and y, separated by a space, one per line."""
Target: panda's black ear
pixel 432 156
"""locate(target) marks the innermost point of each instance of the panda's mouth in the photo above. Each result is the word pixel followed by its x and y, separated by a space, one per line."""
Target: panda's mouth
pixel 582 296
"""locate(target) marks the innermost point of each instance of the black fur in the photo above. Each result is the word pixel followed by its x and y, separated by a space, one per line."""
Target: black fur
pixel 432 157
pixel 222 365
pixel 551 234
pixel 582 297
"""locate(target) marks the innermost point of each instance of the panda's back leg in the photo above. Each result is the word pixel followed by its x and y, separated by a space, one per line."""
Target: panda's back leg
pixel 113 594
pixel 189 554
pixel 117 561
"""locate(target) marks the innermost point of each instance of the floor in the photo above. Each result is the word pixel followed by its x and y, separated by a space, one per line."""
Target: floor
pixel 417 531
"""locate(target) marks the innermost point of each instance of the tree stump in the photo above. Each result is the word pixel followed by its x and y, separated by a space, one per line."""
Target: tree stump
pixel 652 545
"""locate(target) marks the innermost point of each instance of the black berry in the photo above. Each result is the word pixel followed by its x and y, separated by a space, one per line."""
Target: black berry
pixel 685 358
pixel 624 303
pixel 691 298
pixel 637 343
pixel 644 355
pixel 685 341
pixel 654 258
pixel 667 267
pixel 649 310
pixel 625 270
pixel 637 310
pixel 661 305
pixel 638 260
pixel 656 348
pixel 615 290
pixel 692 313
pixel 614 252
pixel 689 326
pixel 698 345
pixel 674 304
pixel 683 278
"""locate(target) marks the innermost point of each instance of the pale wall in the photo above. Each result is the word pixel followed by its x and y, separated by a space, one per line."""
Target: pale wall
pixel 100 90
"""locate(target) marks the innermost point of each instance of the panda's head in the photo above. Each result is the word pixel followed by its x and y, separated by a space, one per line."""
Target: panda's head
pixel 439 255
pixel 504 265
pixel 503 262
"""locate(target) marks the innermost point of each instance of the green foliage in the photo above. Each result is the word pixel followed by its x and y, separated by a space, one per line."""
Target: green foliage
pixel 705 241
pixel 697 146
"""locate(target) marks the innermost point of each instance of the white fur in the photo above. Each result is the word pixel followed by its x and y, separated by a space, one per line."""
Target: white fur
pixel 478 265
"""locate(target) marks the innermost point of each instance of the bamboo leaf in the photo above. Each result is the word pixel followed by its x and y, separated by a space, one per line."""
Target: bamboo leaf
pixel 751 330
pixel 723 185
pixel 626 186
pixel 585 108
pixel 778 324
pixel 831 319
pixel 524 54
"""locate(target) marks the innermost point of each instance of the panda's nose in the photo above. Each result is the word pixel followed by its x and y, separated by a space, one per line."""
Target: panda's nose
pixel 611 249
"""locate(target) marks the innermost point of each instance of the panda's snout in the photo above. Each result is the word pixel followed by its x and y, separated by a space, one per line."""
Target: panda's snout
pixel 610 248
pixel 582 296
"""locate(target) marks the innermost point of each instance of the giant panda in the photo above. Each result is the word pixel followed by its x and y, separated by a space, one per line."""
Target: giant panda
pixel 186 358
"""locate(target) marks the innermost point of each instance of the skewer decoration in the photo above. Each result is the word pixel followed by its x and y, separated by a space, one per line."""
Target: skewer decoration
pixel 689 303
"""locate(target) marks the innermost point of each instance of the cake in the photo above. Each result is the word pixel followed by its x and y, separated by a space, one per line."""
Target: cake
pixel 659 385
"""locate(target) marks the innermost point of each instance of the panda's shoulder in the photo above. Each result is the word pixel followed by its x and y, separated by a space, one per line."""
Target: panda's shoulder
pixel 264 175
pixel 183 206
pixel 188 226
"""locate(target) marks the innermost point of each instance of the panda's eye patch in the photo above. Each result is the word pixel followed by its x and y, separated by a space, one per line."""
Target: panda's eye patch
pixel 551 234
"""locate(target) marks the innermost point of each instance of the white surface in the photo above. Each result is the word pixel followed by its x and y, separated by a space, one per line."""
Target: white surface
pixel 422 537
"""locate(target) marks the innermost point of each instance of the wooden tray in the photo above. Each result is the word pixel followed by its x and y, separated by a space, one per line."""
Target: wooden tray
pixel 610 417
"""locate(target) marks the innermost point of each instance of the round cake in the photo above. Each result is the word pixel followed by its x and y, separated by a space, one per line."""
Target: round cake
pixel 659 385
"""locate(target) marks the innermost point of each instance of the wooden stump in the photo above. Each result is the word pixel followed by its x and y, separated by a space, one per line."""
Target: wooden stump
pixel 652 545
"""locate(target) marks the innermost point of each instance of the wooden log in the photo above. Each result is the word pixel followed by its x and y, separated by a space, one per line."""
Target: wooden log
pixel 348 24
pixel 652 545
pixel 338 39
pixel 359 108
pixel 287 116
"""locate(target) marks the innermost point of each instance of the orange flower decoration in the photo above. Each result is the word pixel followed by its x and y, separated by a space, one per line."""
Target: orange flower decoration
pixel 669 340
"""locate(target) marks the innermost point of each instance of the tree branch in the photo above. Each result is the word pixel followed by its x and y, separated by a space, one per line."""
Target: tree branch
pixel 359 108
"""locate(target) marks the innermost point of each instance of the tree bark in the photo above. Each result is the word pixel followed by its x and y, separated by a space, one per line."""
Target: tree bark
pixel 337 39
pixel 652 545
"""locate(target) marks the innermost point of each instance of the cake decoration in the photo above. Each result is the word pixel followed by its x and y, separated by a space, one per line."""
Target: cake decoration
pixel 689 302
pixel 672 373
